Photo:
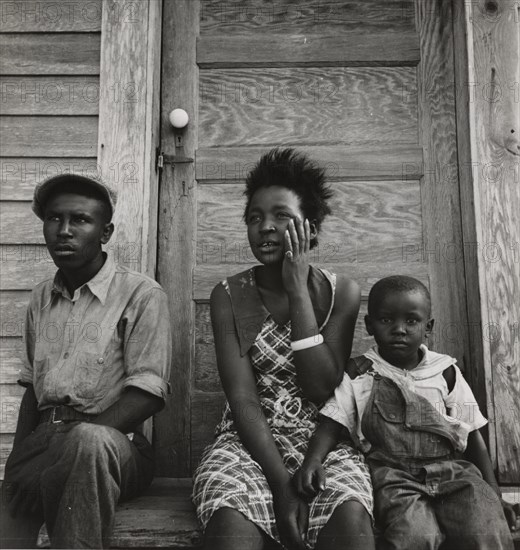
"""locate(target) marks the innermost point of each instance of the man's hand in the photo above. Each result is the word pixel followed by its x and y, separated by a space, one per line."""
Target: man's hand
pixel 292 517
pixel 310 479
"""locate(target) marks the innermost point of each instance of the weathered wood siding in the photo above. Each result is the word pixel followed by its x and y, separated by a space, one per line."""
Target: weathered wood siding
pixel 79 85
pixel 50 89
pixel 361 87
pixel 493 69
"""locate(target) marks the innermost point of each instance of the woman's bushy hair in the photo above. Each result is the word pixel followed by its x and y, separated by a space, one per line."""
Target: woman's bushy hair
pixel 295 171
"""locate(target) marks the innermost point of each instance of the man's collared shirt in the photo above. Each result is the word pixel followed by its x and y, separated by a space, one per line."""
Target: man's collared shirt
pixel 83 350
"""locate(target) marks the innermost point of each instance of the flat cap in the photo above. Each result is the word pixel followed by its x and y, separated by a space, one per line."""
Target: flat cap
pixel 75 182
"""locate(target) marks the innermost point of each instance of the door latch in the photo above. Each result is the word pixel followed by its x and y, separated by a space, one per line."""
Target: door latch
pixel 161 159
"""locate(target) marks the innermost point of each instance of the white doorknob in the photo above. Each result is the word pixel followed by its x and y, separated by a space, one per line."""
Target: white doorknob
pixel 179 118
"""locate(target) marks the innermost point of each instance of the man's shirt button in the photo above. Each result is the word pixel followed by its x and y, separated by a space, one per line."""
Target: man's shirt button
pixel 101 360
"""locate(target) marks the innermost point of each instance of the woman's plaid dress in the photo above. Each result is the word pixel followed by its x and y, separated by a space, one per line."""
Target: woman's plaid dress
pixel 227 476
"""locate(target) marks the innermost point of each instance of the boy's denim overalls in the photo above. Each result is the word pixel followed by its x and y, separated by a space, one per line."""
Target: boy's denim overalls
pixel 423 493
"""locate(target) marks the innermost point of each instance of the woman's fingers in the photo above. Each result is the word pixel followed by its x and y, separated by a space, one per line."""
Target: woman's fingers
pixel 289 253
pixel 295 241
pixel 303 519
pixel 300 231
pixel 307 227
pixel 319 479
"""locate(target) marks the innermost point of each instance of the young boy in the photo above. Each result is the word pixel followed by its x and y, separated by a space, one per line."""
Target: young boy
pixel 413 414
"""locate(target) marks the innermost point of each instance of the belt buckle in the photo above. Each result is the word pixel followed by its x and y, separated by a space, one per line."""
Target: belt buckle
pixel 53 417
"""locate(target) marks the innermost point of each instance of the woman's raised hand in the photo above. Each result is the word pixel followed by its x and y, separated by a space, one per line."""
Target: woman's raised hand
pixel 295 268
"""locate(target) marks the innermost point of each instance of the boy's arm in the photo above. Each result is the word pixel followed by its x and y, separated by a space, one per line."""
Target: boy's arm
pixel 310 478
pixel 476 452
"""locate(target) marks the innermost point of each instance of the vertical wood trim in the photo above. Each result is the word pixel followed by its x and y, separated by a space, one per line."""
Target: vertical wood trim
pixel 153 136
pixel 177 229
pixel 475 373
pixel 494 69
pixel 439 186
pixel 128 118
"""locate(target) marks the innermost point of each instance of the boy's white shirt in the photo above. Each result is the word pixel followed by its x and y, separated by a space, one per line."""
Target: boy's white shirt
pixel 458 406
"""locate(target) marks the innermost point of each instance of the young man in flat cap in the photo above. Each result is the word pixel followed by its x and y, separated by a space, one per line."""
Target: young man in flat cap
pixel 98 348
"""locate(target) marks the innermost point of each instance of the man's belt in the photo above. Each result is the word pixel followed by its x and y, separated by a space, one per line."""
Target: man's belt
pixel 56 415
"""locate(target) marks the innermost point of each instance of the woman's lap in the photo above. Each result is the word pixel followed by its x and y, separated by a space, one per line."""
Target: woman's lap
pixel 227 476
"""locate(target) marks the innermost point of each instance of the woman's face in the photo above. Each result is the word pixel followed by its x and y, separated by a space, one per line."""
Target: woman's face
pixel 268 216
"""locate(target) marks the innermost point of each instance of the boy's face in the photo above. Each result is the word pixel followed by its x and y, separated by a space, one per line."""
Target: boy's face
pixel 74 228
pixel 399 325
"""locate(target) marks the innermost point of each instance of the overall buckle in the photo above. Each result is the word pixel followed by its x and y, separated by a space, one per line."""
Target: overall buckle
pixel 52 419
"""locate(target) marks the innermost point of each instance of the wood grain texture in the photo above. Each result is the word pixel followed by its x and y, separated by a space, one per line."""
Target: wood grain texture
pixel 494 44
pixel 13 305
pixel 50 16
pixel 476 374
pixel 45 54
pixel 283 16
pixel 177 221
pixel 440 187
pixel 49 95
pixel 19 225
pixel 353 47
pixel 309 106
pixel 22 266
pixel 207 275
pixel 11 359
pixel 51 136
pixel 342 162
pixel 374 221
pixel 6 444
pixel 130 54
pixel 19 175
pixel 164 516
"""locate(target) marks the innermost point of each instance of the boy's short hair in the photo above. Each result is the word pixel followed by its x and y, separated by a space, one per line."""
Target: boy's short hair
pixel 396 283
pixel 94 188
pixel 295 171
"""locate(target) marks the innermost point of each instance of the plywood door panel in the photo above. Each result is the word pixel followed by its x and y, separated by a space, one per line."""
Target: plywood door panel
pixel 310 106
pixel 348 86
pixel 384 160
pixel 305 16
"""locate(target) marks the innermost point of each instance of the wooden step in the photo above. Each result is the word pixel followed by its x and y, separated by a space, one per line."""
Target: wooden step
pixel 165 517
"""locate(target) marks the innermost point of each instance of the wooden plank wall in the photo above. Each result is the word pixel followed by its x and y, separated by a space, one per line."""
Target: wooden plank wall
pixel 493 48
pixel 338 80
pixel 50 89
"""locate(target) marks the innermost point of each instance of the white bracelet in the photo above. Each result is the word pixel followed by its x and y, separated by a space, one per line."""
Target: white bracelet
pixel 310 342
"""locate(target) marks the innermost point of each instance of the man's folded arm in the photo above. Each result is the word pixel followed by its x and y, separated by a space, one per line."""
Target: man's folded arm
pixel 130 410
